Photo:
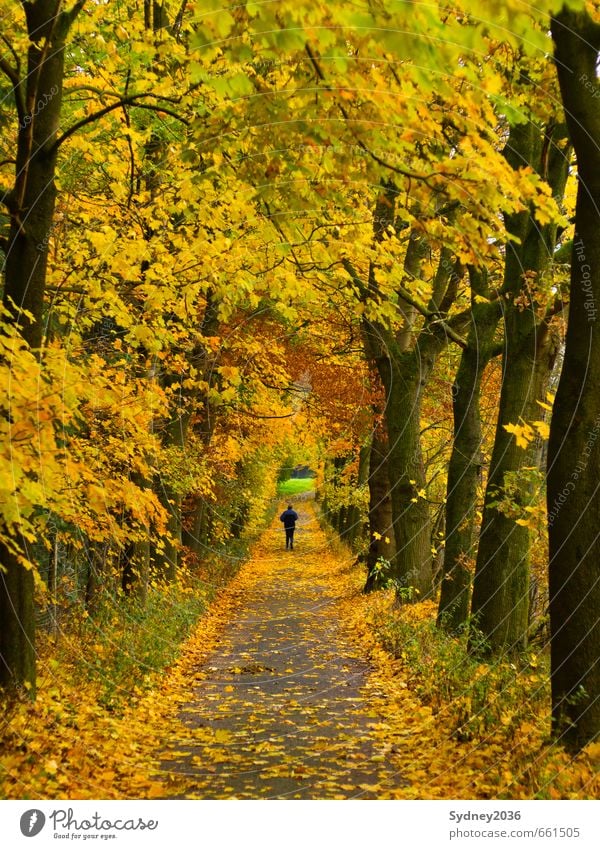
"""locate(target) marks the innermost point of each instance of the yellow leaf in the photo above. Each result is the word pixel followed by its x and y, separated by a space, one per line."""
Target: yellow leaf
pixel 522 433
pixel 593 751
pixel 221 735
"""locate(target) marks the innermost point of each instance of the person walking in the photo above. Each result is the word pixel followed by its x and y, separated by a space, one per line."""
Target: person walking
pixel 289 518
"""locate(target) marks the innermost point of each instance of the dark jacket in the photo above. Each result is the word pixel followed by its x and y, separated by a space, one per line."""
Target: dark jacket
pixel 289 518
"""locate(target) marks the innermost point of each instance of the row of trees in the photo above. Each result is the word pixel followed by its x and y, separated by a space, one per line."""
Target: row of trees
pixel 232 233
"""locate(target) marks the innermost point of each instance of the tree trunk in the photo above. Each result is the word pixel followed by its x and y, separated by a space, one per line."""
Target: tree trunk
pixel 17 623
pixel 96 559
pixel 381 530
pixel 31 206
pixel 194 534
pixel 500 603
pixel 195 531
pixel 354 524
pixel 404 361
pixel 464 471
pixel 166 558
pixel 411 566
pixel 574 446
pixel 399 366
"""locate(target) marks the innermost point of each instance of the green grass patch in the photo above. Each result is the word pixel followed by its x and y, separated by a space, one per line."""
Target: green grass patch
pixel 294 486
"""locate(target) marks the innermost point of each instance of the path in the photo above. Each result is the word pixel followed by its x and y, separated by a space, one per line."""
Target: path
pixel 282 707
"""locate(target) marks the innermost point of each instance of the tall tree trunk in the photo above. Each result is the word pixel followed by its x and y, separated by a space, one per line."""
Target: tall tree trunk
pixel 500 603
pixel 349 519
pixel 30 203
pixel 574 446
pixel 406 377
pixel 464 471
pixel 381 530
pixel 166 558
pixel 17 623
pixel 403 373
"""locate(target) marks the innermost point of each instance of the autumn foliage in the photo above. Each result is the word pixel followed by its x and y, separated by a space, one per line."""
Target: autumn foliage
pixel 249 242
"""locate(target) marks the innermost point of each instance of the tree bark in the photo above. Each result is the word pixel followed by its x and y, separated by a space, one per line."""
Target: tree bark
pixel 574 446
pixel 381 529
pixel 404 364
pixel 465 467
pixel 405 378
pixel 31 202
pixel 500 603
pixel 195 531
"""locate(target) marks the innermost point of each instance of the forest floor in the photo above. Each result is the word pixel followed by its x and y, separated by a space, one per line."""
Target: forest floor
pixel 283 690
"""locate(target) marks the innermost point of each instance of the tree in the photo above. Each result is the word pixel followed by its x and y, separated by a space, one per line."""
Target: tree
pixel 574 447
pixel 500 602
pixel 404 361
pixel 43 92
pixel 37 91
pixel 466 461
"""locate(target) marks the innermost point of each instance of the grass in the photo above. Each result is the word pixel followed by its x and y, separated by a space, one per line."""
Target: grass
pixel 124 646
pixel 294 486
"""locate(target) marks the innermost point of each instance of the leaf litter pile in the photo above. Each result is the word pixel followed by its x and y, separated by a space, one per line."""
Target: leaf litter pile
pixel 282 691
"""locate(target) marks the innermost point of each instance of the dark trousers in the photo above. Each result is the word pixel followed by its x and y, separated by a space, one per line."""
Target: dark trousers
pixel 289 537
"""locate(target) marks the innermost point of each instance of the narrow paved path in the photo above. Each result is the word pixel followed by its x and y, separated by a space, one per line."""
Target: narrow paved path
pixel 280 707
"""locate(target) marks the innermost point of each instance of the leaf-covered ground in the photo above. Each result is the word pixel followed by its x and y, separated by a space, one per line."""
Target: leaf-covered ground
pixel 283 705
pixel 282 691
pixel 294 698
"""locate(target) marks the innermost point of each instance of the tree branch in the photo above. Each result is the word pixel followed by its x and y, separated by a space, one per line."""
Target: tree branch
pixel 433 318
pixel 374 156
pixel 258 416
pixel 13 76
pixel 10 72
pixel 130 100
pixel 557 307
pixel 69 17
pixel 353 274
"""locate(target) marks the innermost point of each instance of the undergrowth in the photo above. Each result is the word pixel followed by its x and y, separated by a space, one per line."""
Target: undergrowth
pixel 125 643
pixel 97 683
pixel 497 711
pixel 475 697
